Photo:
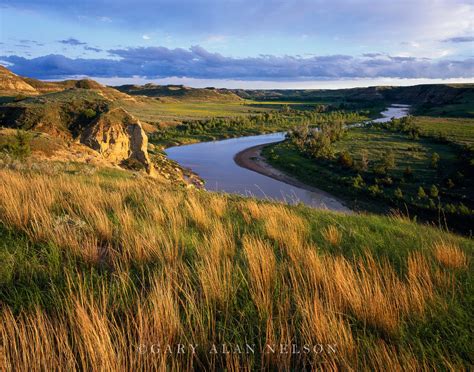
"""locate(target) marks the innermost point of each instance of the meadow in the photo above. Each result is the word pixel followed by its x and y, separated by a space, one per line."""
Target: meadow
pixel 376 169
pixel 458 130
pixel 99 267
pixel 169 112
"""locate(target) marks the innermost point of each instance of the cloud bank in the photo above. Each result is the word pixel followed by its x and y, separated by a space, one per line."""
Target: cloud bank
pixel 197 62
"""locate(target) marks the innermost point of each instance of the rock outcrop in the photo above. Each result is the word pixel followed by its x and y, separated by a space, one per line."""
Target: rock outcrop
pixel 118 137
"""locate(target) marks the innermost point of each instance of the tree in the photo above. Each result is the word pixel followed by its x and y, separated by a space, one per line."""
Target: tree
pixel 364 160
pixel 375 190
pixel 89 113
pixel 346 159
pixel 434 160
pixel 389 160
pixel 421 193
pixel 434 192
pixel 398 193
pixel 432 204
pixel 20 147
pixel 358 182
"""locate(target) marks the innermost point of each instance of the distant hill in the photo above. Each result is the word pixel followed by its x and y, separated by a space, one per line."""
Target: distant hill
pixel 15 85
pixel 179 92
pixel 434 99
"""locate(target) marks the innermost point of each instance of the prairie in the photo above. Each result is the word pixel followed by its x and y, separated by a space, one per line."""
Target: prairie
pixel 99 268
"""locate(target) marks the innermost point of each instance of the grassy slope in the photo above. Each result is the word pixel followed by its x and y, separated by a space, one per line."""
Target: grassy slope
pixel 455 129
pixel 122 262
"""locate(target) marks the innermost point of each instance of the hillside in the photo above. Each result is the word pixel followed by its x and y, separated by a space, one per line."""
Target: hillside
pixel 117 263
pixel 179 92
pixel 12 84
pixel 85 116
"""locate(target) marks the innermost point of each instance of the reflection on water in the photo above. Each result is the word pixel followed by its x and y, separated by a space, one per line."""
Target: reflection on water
pixel 214 162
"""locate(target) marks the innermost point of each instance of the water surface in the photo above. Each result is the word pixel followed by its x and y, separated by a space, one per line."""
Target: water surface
pixel 214 163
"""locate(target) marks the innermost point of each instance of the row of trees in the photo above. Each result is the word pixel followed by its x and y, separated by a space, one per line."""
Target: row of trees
pixel 274 120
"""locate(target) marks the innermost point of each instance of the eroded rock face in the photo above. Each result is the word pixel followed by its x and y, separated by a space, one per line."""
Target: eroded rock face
pixel 118 136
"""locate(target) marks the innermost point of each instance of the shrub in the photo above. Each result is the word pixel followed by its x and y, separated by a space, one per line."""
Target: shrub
pixel 421 193
pixel 434 160
pixel 462 209
pixel 431 204
pixel 19 97
pixel 450 208
pixel 358 182
pixel 398 193
pixel 380 169
pixel 346 159
pixel 389 160
pixel 375 190
pixel 434 192
pixel 19 148
pixel 364 160
pixel 89 113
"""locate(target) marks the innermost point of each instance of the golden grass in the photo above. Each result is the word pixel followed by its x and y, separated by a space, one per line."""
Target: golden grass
pixel 262 272
pixel 332 235
pixel 449 255
pixel 181 272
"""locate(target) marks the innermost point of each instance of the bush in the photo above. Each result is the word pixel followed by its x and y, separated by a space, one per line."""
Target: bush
pixel 389 160
pixel 421 193
pixel 89 113
pixel 462 209
pixel 346 159
pixel 380 169
pixel 375 190
pixel 434 192
pixel 431 204
pixel 398 193
pixel 434 160
pixel 358 182
pixel 20 147
pixel 364 160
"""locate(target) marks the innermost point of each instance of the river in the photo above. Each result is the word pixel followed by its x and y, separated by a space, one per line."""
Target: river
pixel 214 163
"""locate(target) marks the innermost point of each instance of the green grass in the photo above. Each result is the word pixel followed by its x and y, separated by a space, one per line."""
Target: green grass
pixel 39 275
pixel 455 129
pixel 331 176
pixel 154 111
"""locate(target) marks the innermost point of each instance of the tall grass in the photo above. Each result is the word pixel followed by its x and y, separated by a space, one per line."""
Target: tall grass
pixel 116 274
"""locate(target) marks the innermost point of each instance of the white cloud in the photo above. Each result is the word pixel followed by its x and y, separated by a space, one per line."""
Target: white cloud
pixel 146 37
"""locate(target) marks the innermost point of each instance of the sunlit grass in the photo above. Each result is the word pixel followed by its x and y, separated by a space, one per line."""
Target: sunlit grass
pixel 98 269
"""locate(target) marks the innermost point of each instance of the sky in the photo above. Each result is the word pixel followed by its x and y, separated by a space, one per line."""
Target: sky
pixel 241 43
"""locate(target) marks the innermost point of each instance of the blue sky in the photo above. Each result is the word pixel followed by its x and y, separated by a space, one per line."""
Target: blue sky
pixel 291 43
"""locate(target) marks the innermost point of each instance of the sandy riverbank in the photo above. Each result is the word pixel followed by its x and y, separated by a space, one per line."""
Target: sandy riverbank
pixel 252 159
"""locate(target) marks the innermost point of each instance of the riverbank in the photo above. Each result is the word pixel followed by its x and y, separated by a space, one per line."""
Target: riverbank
pixel 253 160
